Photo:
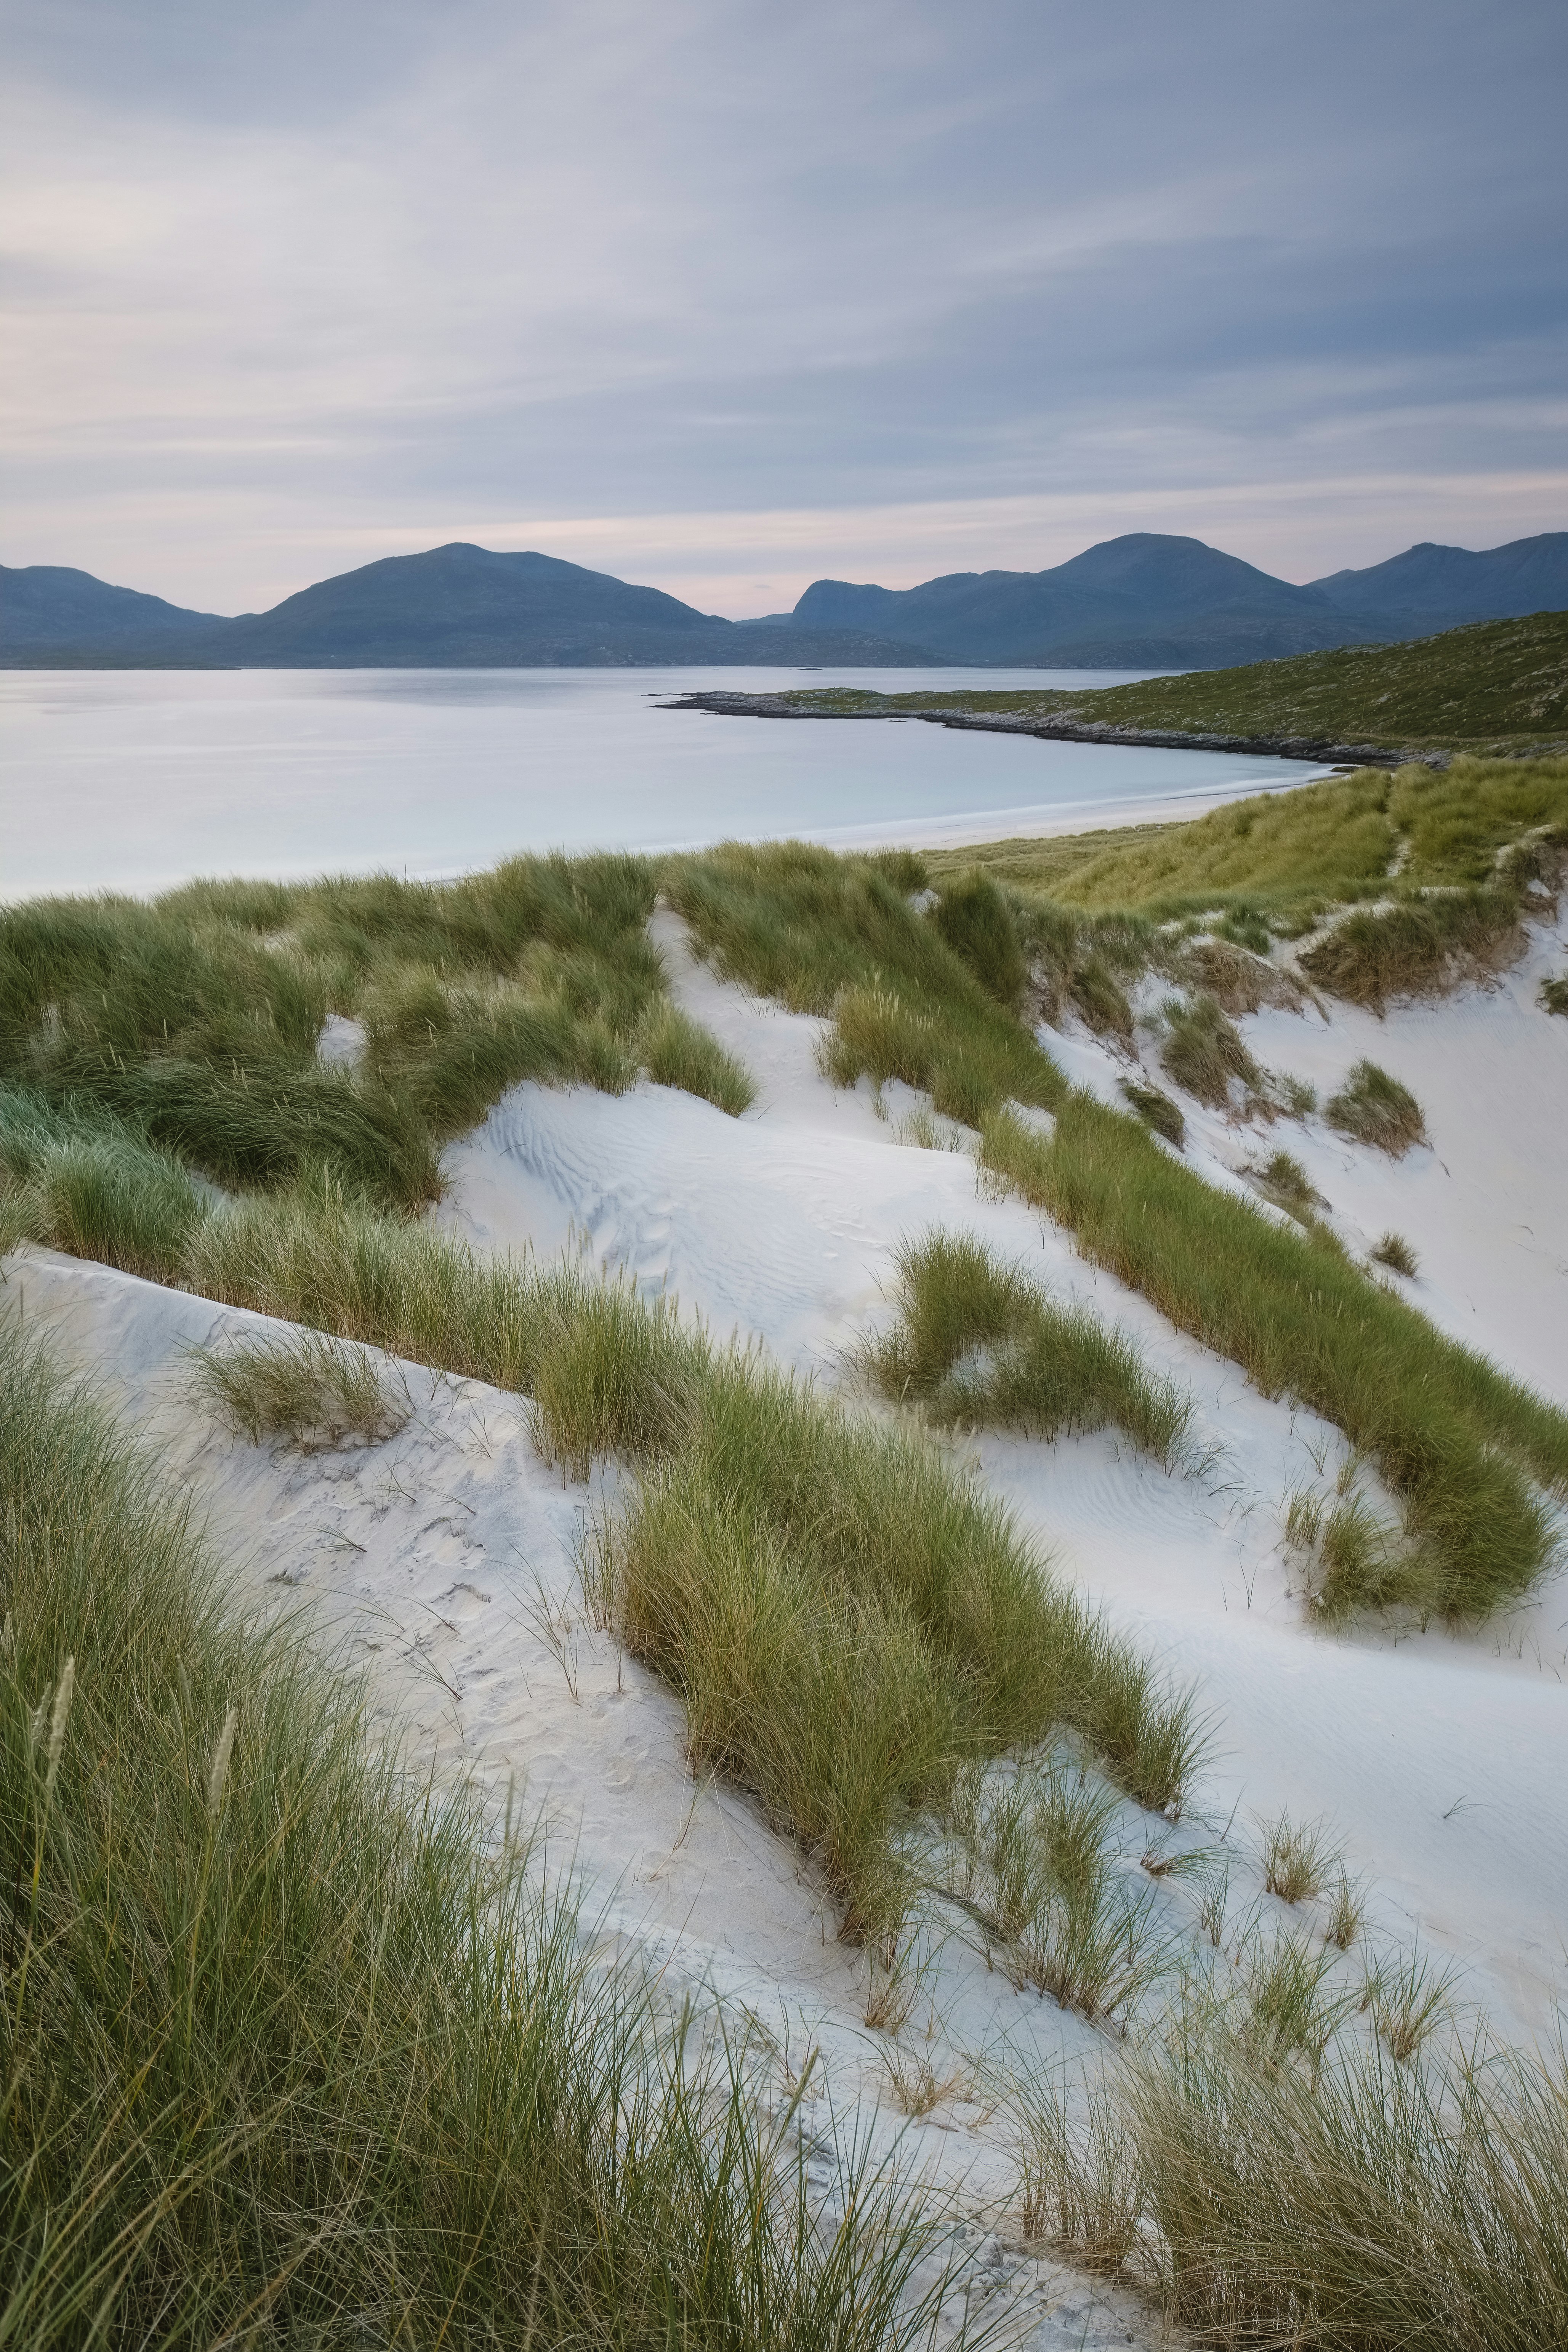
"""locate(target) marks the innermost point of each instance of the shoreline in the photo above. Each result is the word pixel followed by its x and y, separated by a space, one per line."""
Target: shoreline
pixel 1311 750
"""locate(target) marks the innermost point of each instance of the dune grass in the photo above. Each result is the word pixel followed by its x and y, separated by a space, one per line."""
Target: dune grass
pixel 1297 1859
pixel 1418 949
pixel 297 2051
pixel 1371 1107
pixel 1456 1441
pixel 196 1018
pixel 1038 1866
pixel 298 1386
pixel 1451 1435
pixel 1283 2163
pixel 827 934
pixel 774 1546
pixel 1398 1255
pixel 1276 863
pixel 1156 1110
pixel 1285 1182
pixel 1374 2204
pixel 970 916
pixel 978 1343
pixel 849 1619
pixel 679 1052
pixel 1203 1052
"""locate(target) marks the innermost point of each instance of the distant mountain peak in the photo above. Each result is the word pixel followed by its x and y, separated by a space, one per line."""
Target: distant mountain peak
pixel 1144 600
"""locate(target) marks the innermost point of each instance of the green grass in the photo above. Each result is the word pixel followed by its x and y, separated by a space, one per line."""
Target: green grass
pixel 1554 994
pixel 1422 947
pixel 1455 1440
pixel 300 2051
pixel 773 1545
pixel 1502 683
pixel 1280 861
pixel 679 1052
pixel 1376 2205
pixel 1039 1869
pixel 978 1343
pixel 825 934
pixel 196 1018
pixel 1297 1859
pixel 1274 2173
pixel 1285 1182
pixel 311 1392
pixel 1156 1110
pixel 849 1619
pixel 1373 1108
pixel 1203 1052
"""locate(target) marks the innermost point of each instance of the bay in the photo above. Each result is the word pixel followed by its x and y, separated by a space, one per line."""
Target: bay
pixel 136 779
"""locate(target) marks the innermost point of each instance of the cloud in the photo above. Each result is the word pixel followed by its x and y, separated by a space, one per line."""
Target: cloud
pixel 717 286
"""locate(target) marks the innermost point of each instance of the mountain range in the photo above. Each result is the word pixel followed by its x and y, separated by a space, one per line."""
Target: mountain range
pixel 1145 601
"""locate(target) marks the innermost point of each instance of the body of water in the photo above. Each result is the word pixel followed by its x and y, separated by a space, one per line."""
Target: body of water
pixel 136 779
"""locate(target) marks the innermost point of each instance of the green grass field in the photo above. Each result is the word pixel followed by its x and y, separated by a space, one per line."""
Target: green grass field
pixel 1286 859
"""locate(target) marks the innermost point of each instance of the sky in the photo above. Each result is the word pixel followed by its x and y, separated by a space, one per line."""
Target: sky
pixel 728 297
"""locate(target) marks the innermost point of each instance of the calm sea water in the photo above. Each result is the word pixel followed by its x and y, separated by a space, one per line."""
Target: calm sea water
pixel 137 780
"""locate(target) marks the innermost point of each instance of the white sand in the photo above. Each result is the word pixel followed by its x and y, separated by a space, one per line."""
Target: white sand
pixel 445 1558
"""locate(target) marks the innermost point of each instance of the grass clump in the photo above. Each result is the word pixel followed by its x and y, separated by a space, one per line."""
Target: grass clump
pixel 1157 1112
pixel 1297 1860
pixel 1554 994
pixel 979 1344
pixel 1083 2189
pixel 1420 948
pixel 308 1391
pixel 1354 1562
pixel 82 1181
pixel 1279 2179
pixel 1346 1910
pixel 1285 1182
pixel 1203 1052
pixel 1396 1254
pixel 847 1618
pixel 1374 2203
pixel 1407 2001
pixel 1288 2012
pixel 1039 1868
pixel 297 2051
pixel 1372 1108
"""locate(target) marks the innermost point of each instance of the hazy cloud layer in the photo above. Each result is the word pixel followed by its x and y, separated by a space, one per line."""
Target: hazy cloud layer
pixel 724 296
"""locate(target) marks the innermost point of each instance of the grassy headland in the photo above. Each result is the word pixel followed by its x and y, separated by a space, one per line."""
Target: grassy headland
pixel 1497 686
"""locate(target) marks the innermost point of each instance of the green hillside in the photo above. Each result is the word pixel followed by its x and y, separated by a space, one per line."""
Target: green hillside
pixel 1495 685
